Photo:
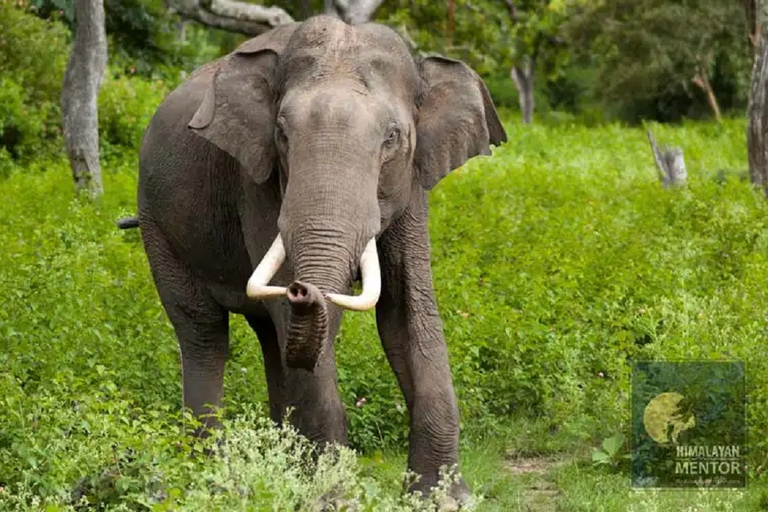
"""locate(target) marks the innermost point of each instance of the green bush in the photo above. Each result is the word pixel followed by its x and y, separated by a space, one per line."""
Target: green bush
pixel 33 55
pixel 22 123
pixel 126 104
pixel 33 51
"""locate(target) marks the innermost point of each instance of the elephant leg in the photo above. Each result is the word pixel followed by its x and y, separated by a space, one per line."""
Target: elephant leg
pixel 313 397
pixel 204 346
pixel 270 349
pixel 411 332
pixel 317 411
pixel 201 326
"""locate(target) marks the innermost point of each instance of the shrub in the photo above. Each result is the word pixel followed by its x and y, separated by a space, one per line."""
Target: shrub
pixel 556 264
pixel 126 104
pixel 33 51
pixel 33 54
pixel 22 124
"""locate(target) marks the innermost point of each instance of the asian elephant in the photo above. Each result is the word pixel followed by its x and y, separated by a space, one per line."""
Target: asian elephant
pixel 275 177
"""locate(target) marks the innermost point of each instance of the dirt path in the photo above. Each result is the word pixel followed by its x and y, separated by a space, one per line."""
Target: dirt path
pixel 540 493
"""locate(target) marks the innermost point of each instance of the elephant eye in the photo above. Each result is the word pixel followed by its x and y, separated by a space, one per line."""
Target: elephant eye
pixel 393 137
pixel 280 136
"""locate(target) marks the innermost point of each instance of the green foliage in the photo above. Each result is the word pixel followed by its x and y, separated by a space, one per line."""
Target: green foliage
pixel 126 104
pixel 33 55
pixel 556 264
pixel 142 33
pixel 647 53
pixel 32 51
pixel 610 451
pixel 22 123
pixel 560 260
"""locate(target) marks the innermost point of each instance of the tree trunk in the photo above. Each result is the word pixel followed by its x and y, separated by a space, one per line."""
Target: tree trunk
pixel 701 80
pixel 670 164
pixel 522 75
pixel 79 95
pixel 182 30
pixel 752 11
pixel 352 11
pixel 757 112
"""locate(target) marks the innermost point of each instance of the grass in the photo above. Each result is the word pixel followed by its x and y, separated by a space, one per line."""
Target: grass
pixel 557 263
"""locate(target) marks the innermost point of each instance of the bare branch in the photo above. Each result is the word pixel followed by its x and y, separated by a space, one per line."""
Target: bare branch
pixel 250 19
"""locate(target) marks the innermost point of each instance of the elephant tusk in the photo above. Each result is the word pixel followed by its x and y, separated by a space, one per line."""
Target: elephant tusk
pixel 257 284
pixel 371 275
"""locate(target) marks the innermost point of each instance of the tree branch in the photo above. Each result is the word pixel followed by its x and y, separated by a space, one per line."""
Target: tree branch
pixel 231 15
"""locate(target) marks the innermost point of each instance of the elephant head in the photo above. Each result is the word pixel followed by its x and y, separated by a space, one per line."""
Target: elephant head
pixel 351 123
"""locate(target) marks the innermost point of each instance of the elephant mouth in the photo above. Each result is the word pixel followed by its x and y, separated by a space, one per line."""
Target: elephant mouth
pixel 308 324
pixel 258 287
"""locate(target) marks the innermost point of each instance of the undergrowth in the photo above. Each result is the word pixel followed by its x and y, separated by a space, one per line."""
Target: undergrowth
pixel 556 263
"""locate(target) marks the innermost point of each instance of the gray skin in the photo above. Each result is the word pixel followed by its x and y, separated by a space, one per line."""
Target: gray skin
pixel 328 134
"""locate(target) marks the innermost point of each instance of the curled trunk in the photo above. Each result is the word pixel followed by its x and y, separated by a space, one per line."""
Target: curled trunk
pixel 308 327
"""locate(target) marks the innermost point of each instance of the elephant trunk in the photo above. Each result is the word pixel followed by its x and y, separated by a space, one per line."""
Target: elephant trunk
pixel 328 220
pixel 322 260
pixel 308 327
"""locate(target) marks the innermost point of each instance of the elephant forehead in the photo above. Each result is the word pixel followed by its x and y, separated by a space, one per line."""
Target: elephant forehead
pixel 324 48
pixel 330 35
pixel 335 104
pixel 365 65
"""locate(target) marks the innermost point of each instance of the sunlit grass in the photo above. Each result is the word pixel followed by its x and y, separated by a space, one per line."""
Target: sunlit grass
pixel 556 263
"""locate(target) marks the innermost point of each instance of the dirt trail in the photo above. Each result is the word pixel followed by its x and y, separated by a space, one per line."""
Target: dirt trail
pixel 540 494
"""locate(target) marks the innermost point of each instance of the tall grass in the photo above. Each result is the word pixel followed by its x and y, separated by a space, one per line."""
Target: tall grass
pixel 556 263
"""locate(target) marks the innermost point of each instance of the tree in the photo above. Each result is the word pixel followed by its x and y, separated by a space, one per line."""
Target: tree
pixel 663 59
pixel 82 79
pixel 757 109
pixel 532 29
pixel 518 35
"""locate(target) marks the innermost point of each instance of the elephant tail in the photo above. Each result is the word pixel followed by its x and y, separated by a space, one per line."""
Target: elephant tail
pixel 128 222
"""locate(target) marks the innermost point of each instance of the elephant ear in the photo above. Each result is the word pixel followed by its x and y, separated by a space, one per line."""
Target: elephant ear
pixel 457 119
pixel 237 113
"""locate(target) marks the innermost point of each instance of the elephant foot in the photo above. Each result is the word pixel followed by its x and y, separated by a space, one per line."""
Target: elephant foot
pixel 458 497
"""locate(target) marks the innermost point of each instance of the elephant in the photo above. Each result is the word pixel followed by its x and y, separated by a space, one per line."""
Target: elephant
pixel 275 178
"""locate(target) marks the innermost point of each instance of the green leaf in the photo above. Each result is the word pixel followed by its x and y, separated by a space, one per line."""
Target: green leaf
pixel 612 445
pixel 600 457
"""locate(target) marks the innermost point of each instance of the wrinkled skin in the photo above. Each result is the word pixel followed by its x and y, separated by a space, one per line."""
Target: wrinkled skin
pixel 329 135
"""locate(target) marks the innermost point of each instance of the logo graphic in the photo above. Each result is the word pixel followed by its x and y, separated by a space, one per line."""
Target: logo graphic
pixel 664 419
pixel 688 424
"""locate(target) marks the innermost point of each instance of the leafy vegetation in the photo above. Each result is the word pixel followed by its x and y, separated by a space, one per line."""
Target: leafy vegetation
pixel 646 60
pixel 33 54
pixel 557 263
